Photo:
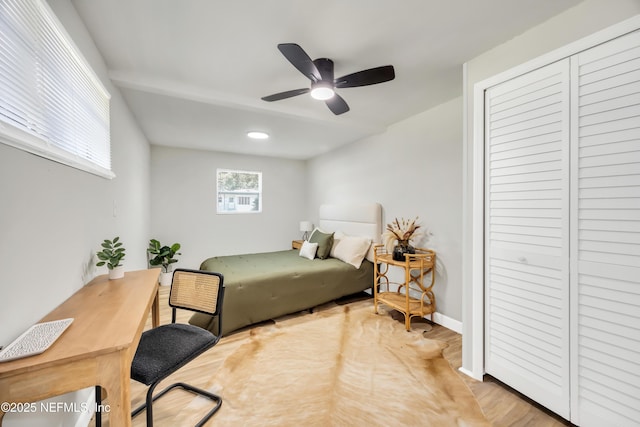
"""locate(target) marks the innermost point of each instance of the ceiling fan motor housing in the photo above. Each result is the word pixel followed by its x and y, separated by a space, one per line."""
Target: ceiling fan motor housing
pixel 325 68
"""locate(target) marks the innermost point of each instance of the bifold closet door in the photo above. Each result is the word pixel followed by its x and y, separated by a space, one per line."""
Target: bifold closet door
pixel 526 235
pixel 605 234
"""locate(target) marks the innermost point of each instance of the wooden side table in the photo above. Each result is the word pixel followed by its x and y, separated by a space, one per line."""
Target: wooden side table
pixel 296 244
pixel 416 267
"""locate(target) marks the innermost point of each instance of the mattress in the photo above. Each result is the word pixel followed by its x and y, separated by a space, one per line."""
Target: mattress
pixel 264 286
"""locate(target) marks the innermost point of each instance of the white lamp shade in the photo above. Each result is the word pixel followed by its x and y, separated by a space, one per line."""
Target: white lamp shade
pixel 306 226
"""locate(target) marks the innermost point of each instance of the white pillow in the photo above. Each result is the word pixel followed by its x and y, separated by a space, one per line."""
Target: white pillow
pixel 336 239
pixel 308 250
pixel 350 249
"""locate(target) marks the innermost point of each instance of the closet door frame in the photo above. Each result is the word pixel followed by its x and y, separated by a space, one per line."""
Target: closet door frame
pixel 477 211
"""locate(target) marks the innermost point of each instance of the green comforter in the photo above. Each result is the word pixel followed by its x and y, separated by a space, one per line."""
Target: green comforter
pixel 263 286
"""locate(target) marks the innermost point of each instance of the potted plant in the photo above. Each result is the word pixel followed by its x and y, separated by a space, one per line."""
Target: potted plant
pixel 399 236
pixel 163 256
pixel 112 254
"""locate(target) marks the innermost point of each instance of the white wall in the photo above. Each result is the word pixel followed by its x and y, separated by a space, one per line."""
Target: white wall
pixel 575 23
pixel 412 169
pixel 183 204
pixel 53 218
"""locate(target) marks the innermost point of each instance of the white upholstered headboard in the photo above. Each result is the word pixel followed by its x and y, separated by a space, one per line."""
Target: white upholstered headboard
pixel 356 220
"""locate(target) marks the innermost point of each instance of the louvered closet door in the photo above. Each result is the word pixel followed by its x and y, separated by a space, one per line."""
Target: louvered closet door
pixel 605 300
pixel 527 267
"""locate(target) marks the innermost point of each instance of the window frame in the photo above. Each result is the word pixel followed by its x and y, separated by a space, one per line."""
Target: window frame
pixel 237 196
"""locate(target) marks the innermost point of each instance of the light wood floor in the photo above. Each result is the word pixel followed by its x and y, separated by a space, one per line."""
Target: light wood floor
pixel 501 405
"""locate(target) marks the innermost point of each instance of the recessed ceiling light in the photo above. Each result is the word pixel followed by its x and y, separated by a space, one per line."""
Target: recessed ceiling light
pixel 257 135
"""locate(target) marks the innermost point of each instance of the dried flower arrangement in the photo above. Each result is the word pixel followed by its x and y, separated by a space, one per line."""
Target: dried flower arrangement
pixel 401 233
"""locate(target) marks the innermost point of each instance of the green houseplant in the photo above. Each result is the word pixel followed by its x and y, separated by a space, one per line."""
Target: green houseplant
pixel 112 254
pixel 163 256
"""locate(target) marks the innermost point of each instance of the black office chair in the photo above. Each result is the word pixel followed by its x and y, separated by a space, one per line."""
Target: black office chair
pixel 167 348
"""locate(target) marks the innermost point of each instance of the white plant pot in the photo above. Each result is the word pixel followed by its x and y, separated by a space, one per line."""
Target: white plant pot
pixel 116 273
pixel 165 279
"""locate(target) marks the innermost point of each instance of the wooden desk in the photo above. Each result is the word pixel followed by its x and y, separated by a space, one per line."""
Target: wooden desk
pixel 96 349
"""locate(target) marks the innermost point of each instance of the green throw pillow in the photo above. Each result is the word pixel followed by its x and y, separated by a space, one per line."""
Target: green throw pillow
pixel 324 241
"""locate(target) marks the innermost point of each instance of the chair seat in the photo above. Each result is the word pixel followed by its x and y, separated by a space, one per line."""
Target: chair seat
pixel 165 349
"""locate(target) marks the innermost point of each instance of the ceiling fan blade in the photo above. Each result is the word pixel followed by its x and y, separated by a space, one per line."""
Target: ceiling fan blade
pixel 299 58
pixel 371 76
pixel 337 105
pixel 285 95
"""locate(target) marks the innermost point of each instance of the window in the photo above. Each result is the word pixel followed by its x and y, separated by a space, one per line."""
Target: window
pixel 51 102
pixel 239 191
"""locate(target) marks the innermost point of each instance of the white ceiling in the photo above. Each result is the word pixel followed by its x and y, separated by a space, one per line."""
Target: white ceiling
pixel 193 71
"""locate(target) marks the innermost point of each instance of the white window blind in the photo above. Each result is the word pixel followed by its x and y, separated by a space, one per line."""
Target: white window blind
pixel 51 102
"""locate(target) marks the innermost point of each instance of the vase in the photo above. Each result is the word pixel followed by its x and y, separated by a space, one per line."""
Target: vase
pixel 166 278
pixel 116 272
pixel 401 249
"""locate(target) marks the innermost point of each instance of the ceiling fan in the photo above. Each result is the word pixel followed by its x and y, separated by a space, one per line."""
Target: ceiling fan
pixel 323 84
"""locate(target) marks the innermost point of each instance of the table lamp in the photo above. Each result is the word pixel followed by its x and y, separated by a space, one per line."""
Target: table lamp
pixel 306 227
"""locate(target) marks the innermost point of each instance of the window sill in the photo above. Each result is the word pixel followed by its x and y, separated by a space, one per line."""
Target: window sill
pixel 24 141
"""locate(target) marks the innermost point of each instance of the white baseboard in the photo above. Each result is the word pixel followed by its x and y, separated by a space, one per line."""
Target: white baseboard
pixel 447 322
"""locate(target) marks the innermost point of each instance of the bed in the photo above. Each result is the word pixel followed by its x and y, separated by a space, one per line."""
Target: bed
pixel 263 286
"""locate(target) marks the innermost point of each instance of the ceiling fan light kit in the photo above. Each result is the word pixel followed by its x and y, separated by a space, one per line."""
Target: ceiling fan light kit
pixel 322 90
pixel 323 84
